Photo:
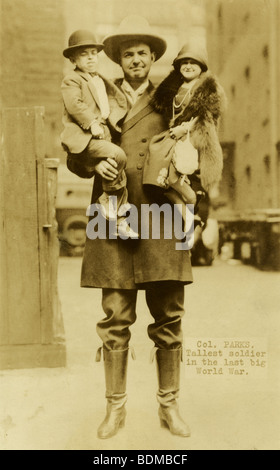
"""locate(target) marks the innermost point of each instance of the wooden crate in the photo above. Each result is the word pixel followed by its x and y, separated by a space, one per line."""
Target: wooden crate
pixel 31 325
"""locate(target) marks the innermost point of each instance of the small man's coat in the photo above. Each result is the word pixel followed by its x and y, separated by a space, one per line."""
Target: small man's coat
pixel 81 109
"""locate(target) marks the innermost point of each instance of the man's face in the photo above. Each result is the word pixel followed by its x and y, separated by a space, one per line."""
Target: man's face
pixel 85 58
pixel 136 60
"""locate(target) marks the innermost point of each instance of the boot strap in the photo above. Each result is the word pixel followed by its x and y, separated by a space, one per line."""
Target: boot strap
pixel 99 353
pixel 154 350
pixel 132 352
pixel 153 353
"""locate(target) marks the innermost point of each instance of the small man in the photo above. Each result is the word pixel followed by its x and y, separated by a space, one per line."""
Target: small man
pixel 89 101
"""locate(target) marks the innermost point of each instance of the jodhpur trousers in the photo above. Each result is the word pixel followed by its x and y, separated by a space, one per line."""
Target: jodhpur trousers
pixel 165 301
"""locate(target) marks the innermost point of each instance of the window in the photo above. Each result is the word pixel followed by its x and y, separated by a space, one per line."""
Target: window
pixel 265 51
pixel 247 72
pixel 266 160
pixel 248 173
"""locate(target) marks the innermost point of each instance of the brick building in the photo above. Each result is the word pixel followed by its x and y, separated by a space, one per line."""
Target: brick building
pixel 244 47
pixel 32 36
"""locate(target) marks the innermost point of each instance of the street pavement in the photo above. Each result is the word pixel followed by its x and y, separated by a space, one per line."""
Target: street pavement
pixel 230 308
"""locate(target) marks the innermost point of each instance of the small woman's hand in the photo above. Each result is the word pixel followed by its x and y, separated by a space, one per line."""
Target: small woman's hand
pixel 107 169
pixel 177 132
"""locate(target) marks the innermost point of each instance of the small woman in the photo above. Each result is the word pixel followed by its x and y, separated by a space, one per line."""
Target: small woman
pixel 191 98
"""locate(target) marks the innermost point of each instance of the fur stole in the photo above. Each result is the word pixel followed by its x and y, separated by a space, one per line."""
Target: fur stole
pixel 206 103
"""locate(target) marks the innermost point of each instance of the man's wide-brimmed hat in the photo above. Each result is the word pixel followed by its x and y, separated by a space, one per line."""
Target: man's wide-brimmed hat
pixel 193 49
pixel 133 28
pixel 81 38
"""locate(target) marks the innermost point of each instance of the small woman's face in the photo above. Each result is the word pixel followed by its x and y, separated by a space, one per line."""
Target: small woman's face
pixel 190 69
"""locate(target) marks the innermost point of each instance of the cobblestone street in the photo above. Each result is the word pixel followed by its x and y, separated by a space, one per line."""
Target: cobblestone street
pixel 228 302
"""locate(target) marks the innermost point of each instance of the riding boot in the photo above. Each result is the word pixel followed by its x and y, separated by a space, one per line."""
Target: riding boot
pixel 115 365
pixel 168 369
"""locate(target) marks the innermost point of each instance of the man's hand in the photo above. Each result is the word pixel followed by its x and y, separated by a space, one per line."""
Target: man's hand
pixel 97 131
pixel 107 169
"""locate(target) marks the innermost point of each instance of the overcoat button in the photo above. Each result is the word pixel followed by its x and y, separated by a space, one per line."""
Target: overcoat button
pixel 139 166
pixel 141 154
pixel 144 140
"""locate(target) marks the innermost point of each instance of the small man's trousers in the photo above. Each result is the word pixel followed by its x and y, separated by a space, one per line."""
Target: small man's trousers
pixel 101 149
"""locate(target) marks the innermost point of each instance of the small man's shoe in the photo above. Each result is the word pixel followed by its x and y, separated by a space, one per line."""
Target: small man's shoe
pixel 108 206
pixel 125 231
pixel 78 168
pixel 124 208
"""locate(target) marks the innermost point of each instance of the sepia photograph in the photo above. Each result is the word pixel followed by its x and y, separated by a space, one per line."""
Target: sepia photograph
pixel 140 227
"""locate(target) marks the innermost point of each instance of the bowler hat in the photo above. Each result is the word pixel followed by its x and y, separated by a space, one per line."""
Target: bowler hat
pixel 193 49
pixel 81 38
pixel 133 28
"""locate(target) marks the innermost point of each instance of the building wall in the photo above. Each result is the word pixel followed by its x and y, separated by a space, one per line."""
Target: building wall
pixel 32 37
pixel 175 20
pixel 243 42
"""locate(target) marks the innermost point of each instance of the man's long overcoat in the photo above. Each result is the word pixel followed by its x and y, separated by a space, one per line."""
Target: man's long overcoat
pixel 130 264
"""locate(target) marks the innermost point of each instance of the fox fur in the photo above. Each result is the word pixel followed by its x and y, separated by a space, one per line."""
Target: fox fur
pixel 207 102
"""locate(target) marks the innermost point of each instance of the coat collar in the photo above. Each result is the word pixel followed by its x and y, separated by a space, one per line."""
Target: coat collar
pixel 207 96
pixel 110 86
pixel 139 110
pixel 87 77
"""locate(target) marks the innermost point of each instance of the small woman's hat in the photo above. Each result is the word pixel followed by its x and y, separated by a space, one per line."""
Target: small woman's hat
pixel 193 49
pixel 133 28
pixel 81 38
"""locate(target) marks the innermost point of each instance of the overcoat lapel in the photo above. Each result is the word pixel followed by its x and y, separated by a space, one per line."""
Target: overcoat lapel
pixel 139 110
pixel 93 91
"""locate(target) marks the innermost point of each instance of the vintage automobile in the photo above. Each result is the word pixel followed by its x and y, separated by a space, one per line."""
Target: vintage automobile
pixel 73 198
pixel 253 237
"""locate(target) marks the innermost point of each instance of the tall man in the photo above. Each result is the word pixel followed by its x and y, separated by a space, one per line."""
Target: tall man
pixel 121 267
